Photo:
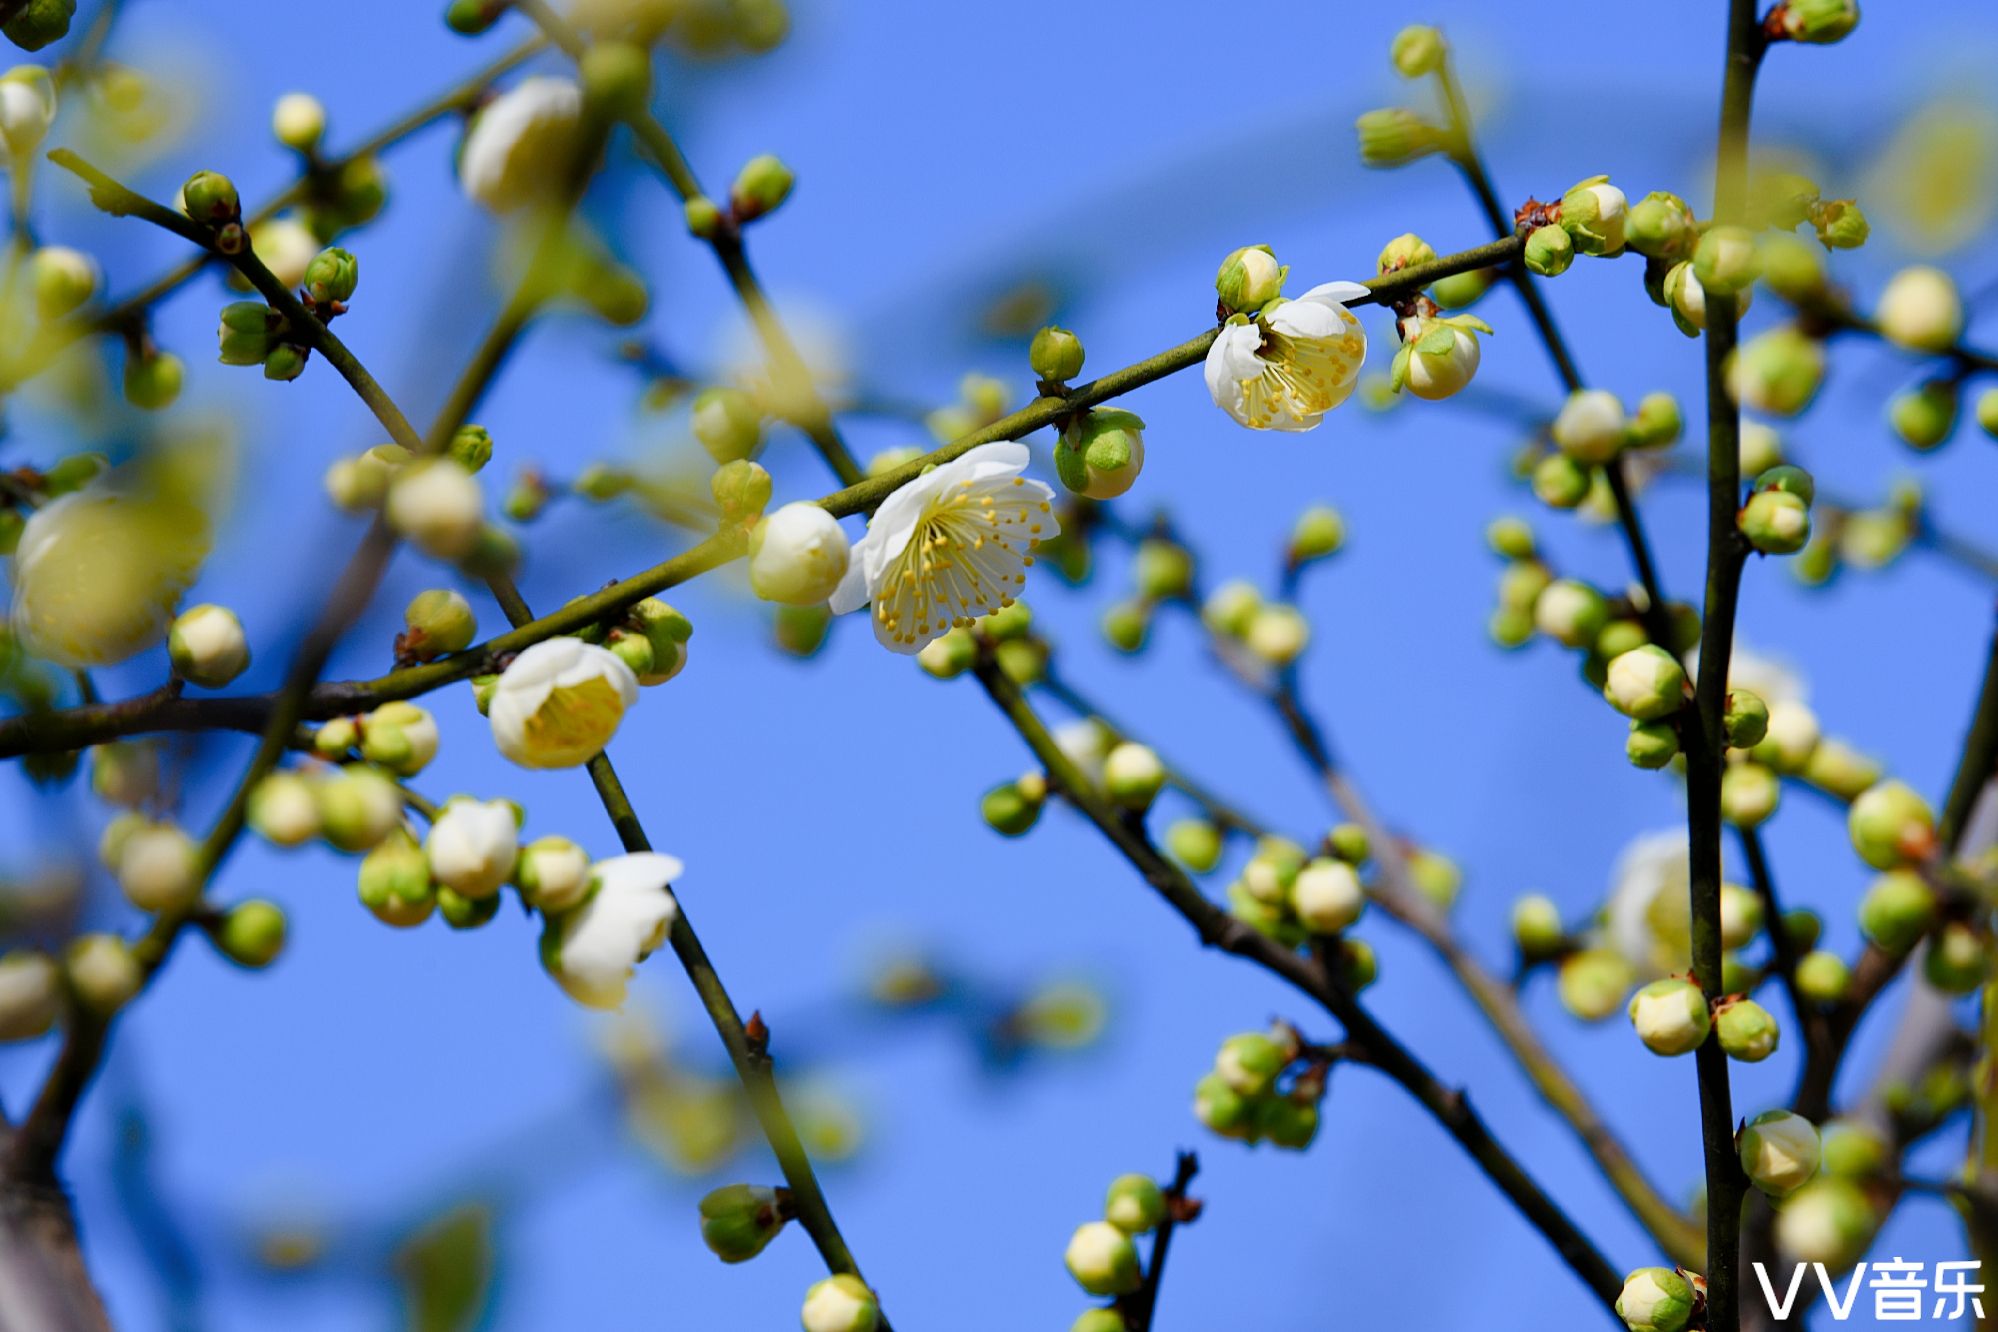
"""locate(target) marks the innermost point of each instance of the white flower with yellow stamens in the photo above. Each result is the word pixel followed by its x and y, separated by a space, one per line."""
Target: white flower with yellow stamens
pixel 1292 364
pixel 559 703
pixel 948 547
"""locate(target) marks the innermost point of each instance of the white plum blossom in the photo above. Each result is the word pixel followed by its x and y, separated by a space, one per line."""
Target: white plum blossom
pixel 1646 914
pixel 1287 368
pixel 948 547
pixel 97 574
pixel 27 108
pixel 592 950
pixel 30 994
pixel 518 145
pixel 472 846
pixel 559 703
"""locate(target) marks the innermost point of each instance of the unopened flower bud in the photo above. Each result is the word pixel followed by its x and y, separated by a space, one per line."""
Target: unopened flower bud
pixel 1103 1260
pixel 1593 214
pixel 1749 794
pixel 1287 1122
pixel 284 810
pixel 399 736
pixel 1549 251
pixel 617 78
pixel 1725 260
pixel 153 382
pixel 1135 1204
pixel 1841 225
pixel 1898 909
pixel 797 555
pixel 63 280
pixel 1250 1062
pixel 1651 745
pixel 1101 456
pixel 159 868
pixel 437 623
pixel 1670 1016
pixel 1195 843
pixel 1133 776
pixel 553 874
pixel 1326 896
pixel 728 424
pixel 1055 355
pixel 949 656
pixel 1746 720
pixel 763 183
pixel 207 646
pixel 1657 424
pixel 1009 809
pixel 1647 683
pixel 1660 225
pixel 36 23
pixel 1571 613
pixel 1655 1299
pixel 298 121
pixel 1958 959
pixel 251 934
pixel 395 882
pixel 30 994
pixel 1891 826
pixel 285 363
pixel 1460 291
pixel 1853 1149
pixel 1778 372
pixel 738 1221
pixel 1277 635
pixel 1394 136
pixel 1593 983
pixel 472 17
pixel 1746 1030
pixel 1591 427
pixel 1920 310
pixel 210 197
pixel 1792 267
pixel 1438 357
pixel 1823 976
pixel 1819 22
pixel 1560 482
pixel 1404 251
pixel 1231 608
pixel 332 276
pixel 103 973
pixel 1925 416
pixel 1536 927
pixel 1829 1221
pixel 1418 50
pixel 248 332
pixel 358 808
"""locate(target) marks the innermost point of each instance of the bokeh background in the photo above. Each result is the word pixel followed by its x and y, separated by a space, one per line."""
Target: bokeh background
pixel 260 1146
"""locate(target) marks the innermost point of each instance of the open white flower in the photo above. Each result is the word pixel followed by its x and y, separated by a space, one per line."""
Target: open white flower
pixel 518 146
pixel 559 703
pixel 1288 367
pixel 472 846
pixel 948 547
pixel 592 950
pixel 97 574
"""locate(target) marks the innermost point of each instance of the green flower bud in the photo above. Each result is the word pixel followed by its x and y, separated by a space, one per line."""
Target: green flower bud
pixel 704 217
pixel 1318 533
pixel 1925 416
pixel 472 17
pixel 284 809
pixel 1394 136
pixel 1792 267
pixel 1591 427
pixel 1828 1221
pixel 400 737
pixel 738 1221
pixel 1250 1062
pixel 207 647
pixel 1785 477
pixel 1646 684
pixel 1560 482
pixel 395 882
pixel 1741 915
pixel 1776 522
pixel 1594 214
pixel 728 424
pixel 153 381
pixel 950 656
pixel 553 874
pixel 1725 261
pixel 1670 1016
pixel 1404 251
pixel 1920 310
pixel 1512 539
pixel 1008 623
pixel 1737 976
pixel 39 22
pixel 30 994
pixel 1898 909
pixel 1852 1149
pixel 1010 810
pixel 1841 225
pixel 1958 960
pixel 631 649
pixel 1250 278
pixel 741 489
pixel 1103 1260
pixel 63 279
pixel 103 973
pixel 298 121
pixel 1418 50
pixel 665 631
pixel 1133 776
pixel 1326 896
pixel 1746 720
pixel 251 934
pixel 1749 794
pixel 1135 1204
pixel 285 363
pixel 1277 635
pixel 1536 928
pixel 1055 355
pixel 1100 455
pixel 1657 424
pixel 1655 1299
pixel 841 1303
pixel 332 276
pixel 617 78
pixel 1651 745
pixel 1746 1030
pixel 1024 661
pixel 1987 412
pixel 1230 608
pixel 248 333
pixel 211 198
pixel 1779 372
pixel 1593 982
pixel 763 183
pixel 1823 977
pixel 1660 225
pixel 1819 22
pixel 1287 1122
pixel 1126 625
pixel 1162 570
pixel 1460 291
pixel 1223 1109
pixel 1892 826
pixel 1779 1152
pixel 1099 1320
pixel 1195 843
pixel 1438 357
pixel 1571 613
pixel 471 447
pixel 1549 252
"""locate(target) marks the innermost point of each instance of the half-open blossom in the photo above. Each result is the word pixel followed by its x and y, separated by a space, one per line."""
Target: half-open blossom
pixel 559 703
pixel 949 546
pixel 1286 368
pixel 518 145
pixel 472 846
pixel 591 951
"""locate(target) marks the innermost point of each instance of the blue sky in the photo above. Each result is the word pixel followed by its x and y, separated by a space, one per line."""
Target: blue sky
pixel 943 151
